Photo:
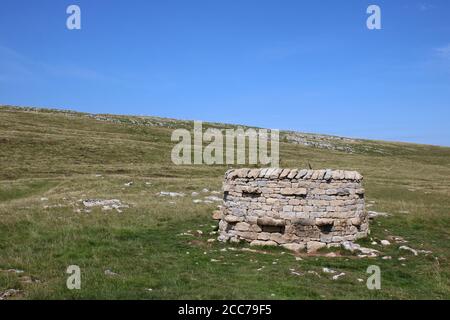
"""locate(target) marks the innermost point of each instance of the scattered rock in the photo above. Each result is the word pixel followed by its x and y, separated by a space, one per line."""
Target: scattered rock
pixel 9 293
pixel 409 249
pixel 105 204
pixel 213 198
pixel 294 272
pixel 327 270
pixel 171 194
pixel 366 252
pixel 128 184
pixel 42 199
pixel 110 273
pixel 314 273
pixel 194 194
pixel 385 243
pixel 319 141
pixel 186 234
pixel 28 279
pixel 17 271
pixel 375 214
pixel 336 277
pixel 397 239
pixel 58 205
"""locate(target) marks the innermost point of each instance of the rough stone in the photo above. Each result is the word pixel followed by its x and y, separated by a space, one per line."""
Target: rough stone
pixel 294 246
pixel 313 246
pixel 294 208
pixel 263 243
pixel 217 215
pixel 232 219
pixel 242 226
pixel 267 221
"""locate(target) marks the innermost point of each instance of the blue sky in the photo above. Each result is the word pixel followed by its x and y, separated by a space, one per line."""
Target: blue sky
pixel 311 66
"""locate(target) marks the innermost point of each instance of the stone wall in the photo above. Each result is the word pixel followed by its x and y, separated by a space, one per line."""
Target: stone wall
pixel 293 208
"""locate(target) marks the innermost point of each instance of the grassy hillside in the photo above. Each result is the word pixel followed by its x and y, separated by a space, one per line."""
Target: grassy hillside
pixel 50 161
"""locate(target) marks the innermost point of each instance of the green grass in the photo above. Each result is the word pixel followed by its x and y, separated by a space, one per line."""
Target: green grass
pixel 57 155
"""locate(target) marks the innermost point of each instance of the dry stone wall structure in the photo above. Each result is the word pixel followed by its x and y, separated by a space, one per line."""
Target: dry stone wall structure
pixel 293 208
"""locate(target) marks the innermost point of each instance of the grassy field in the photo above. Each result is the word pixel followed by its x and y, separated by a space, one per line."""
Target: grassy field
pixel 51 160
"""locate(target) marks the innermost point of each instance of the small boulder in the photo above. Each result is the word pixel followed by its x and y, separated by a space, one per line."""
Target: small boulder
pixel 314 246
pixel 294 246
pixel 263 243
pixel 217 215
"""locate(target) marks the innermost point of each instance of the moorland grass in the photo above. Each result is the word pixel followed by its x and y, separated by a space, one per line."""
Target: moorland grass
pixel 68 156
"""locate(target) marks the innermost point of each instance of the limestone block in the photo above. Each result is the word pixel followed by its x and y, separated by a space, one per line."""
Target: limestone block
pixel 263 243
pixel 242 226
pixel 314 246
pixel 264 236
pixel 294 191
pixel 233 219
pixel 294 246
pixel 217 215
pixel 267 221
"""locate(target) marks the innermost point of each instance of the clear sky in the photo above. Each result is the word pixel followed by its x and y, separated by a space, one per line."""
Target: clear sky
pixel 310 66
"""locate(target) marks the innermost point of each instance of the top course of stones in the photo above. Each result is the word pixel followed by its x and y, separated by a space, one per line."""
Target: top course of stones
pixel 290 174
